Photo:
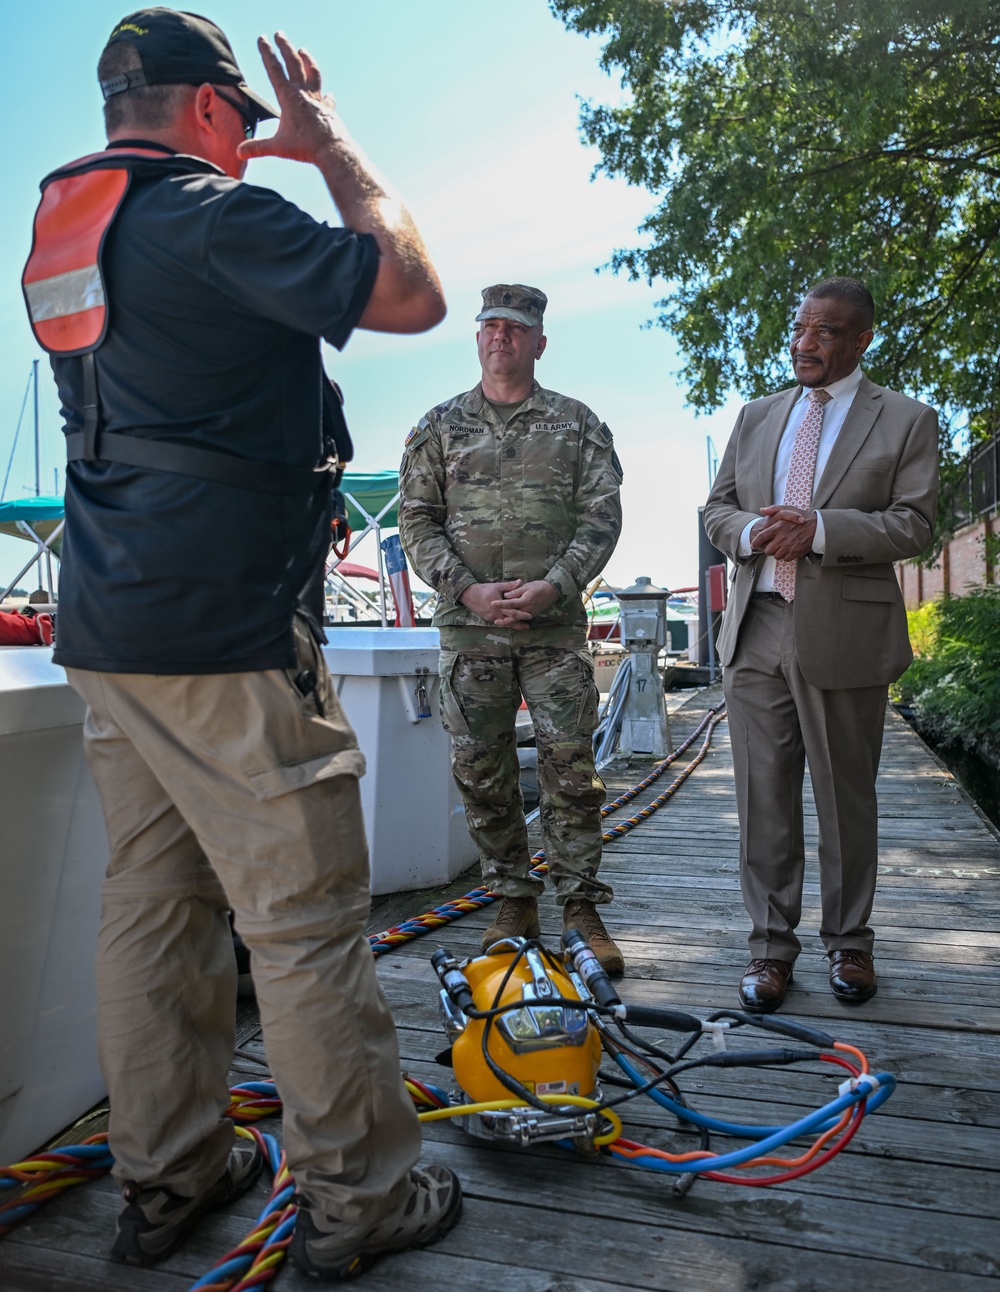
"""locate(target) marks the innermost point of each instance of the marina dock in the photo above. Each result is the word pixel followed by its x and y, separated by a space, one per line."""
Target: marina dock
pixel 911 1205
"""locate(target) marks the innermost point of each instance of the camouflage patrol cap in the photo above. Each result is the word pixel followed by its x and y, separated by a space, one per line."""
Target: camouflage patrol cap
pixel 513 301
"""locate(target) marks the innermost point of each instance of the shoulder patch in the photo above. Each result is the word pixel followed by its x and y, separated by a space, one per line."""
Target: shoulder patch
pixel 600 435
pixel 416 436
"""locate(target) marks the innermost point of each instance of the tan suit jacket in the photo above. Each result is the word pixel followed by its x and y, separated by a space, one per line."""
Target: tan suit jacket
pixel 878 495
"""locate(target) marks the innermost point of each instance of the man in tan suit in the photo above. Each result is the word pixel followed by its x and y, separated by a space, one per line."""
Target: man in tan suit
pixel 821 488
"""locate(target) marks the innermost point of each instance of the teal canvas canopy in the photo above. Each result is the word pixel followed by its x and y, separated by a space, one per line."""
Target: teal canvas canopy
pixel 372 489
pixel 43 514
pixel 31 509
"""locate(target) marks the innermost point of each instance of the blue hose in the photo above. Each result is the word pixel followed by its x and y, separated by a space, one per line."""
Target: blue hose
pixel 815 1123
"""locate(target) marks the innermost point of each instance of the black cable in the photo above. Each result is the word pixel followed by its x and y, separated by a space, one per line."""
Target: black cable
pixel 615 1044
pixel 581 1006
pixel 784 1026
pixel 727 1059
pixel 635 1046
pixel 683 1183
pixel 506 1080
pixel 614 1079
pixel 688 1045
pixel 612 1043
pixel 648 1046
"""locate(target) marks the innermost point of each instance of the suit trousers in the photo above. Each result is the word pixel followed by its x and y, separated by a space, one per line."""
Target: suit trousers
pixel 235 791
pixel 777 723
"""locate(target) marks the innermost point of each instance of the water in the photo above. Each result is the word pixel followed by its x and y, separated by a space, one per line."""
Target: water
pixel 978 778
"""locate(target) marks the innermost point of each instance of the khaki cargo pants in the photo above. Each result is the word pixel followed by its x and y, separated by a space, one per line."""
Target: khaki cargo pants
pixel 234 791
pixel 484 674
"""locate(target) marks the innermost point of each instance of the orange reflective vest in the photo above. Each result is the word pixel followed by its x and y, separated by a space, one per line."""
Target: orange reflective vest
pixel 63 283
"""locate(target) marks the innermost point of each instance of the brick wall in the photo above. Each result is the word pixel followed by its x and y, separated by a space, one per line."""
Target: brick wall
pixel 967 560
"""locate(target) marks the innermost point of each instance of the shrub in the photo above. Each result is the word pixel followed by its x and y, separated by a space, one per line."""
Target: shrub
pixel 954 680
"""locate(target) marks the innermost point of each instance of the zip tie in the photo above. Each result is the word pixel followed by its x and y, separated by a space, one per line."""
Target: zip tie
pixel 718 1032
pixel 867 1083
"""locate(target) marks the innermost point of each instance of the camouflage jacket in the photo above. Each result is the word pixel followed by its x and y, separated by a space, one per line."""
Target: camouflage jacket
pixel 536 498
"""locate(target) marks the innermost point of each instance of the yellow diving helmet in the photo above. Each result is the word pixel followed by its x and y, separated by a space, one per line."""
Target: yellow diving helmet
pixel 546 1046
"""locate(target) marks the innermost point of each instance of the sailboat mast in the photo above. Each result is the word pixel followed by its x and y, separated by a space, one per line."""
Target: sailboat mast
pixel 38 472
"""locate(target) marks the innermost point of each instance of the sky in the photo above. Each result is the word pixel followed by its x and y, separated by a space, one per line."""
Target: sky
pixel 472 111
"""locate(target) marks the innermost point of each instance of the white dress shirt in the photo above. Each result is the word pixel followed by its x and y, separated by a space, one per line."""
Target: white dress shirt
pixel 841 394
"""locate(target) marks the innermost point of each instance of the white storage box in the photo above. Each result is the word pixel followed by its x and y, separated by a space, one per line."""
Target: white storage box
pixel 387 680
pixel 52 861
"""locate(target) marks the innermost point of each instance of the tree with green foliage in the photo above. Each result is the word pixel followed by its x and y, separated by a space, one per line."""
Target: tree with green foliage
pixel 790 140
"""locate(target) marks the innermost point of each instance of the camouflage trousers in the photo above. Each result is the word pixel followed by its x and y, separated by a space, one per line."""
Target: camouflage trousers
pixel 482 683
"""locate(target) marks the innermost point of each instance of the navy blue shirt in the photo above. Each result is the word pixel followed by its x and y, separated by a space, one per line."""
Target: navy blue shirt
pixel 219 292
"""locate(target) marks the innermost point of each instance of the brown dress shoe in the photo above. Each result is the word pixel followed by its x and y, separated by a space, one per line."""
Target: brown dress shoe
pixel 762 987
pixel 852 975
pixel 581 914
pixel 517 918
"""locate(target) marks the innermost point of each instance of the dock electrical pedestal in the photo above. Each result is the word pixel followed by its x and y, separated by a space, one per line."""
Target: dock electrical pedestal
pixel 645 726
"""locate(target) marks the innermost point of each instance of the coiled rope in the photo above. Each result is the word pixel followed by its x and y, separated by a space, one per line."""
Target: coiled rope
pixel 48 1174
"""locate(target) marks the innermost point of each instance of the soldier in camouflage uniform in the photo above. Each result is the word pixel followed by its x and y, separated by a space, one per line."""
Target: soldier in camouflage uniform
pixel 509 508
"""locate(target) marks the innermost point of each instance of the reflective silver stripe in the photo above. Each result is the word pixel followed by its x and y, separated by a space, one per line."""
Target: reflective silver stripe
pixel 53 298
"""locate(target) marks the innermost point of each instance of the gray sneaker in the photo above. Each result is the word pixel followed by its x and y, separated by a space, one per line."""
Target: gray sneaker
pixel 154 1222
pixel 342 1251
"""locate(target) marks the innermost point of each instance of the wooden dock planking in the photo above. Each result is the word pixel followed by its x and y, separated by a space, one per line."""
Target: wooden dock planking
pixel 911 1204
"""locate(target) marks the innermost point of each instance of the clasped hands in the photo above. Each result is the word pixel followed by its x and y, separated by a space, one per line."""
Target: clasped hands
pixel 785 532
pixel 511 604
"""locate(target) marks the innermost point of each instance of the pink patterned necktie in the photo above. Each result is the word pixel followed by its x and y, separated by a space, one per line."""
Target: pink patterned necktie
pixel 799 484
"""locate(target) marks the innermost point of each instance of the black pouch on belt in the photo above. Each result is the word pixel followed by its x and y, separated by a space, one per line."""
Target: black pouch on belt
pixel 337 439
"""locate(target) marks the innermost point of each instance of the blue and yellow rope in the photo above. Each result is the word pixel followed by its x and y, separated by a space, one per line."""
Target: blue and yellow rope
pixel 440 916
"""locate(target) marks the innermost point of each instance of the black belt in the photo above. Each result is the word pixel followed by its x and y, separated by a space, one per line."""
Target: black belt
pixel 189 460
pixel 94 444
pixel 769 596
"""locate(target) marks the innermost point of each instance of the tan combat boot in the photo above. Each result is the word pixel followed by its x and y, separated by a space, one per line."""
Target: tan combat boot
pixel 581 914
pixel 517 918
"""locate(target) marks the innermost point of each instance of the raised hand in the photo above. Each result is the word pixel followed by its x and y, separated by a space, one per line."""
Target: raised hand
pixel 407 295
pixel 309 123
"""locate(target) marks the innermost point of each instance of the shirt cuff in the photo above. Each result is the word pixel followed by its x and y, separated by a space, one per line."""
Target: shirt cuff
pixel 819 538
pixel 561 578
pixel 745 548
pixel 453 585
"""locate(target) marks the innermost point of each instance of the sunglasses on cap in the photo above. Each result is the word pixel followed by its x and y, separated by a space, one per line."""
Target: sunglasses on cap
pixel 248 115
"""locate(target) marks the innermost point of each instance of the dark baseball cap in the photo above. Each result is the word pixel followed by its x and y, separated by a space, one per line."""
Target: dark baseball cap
pixel 513 301
pixel 177 48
